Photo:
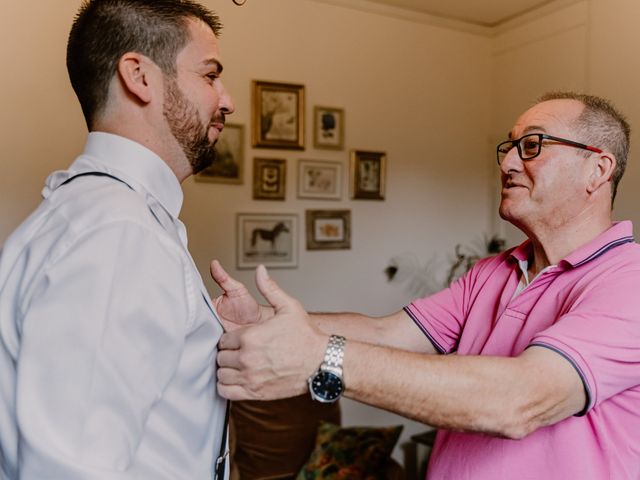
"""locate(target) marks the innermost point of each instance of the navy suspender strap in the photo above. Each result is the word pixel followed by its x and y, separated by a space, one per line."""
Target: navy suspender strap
pixel 95 174
pixel 221 462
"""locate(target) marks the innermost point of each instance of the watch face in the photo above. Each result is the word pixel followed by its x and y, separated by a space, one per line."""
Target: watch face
pixel 326 386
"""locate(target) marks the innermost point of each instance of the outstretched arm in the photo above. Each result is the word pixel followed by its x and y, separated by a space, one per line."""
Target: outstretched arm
pixel 237 307
pixel 508 397
pixel 502 396
pixel 396 330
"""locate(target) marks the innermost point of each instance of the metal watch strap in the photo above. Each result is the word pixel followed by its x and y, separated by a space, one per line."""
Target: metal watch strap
pixel 335 352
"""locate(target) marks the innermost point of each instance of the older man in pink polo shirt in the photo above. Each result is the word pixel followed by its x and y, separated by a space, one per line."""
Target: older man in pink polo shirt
pixel 545 382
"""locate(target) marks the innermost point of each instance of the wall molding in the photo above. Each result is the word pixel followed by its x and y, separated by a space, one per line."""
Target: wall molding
pixel 572 16
pixel 532 15
pixel 411 16
pixel 444 22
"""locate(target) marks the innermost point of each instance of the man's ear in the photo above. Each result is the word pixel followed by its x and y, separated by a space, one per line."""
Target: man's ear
pixel 137 74
pixel 602 171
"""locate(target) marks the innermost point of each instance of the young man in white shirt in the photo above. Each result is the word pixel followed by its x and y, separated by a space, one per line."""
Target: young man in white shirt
pixel 107 334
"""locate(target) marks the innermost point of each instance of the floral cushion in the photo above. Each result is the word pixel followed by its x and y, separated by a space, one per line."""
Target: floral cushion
pixel 350 453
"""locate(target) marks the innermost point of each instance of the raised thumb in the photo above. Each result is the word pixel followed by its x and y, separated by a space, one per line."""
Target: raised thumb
pixel 270 290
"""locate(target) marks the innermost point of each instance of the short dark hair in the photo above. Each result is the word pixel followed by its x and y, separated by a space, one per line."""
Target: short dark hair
pixel 104 30
pixel 602 126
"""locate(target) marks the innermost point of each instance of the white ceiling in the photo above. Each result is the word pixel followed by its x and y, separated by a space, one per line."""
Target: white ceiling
pixel 485 13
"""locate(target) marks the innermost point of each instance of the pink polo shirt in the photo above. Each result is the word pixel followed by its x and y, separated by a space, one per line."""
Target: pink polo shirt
pixel 587 309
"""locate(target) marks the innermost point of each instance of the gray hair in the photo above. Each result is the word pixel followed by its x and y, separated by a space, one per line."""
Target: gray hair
pixel 600 124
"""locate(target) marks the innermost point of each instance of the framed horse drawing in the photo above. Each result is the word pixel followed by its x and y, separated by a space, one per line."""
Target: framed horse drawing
pixel 267 238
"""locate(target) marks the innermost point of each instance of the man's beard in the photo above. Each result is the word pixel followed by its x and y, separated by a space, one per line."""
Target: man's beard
pixel 186 127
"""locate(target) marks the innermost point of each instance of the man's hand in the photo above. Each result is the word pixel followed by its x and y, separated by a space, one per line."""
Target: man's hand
pixel 236 307
pixel 273 358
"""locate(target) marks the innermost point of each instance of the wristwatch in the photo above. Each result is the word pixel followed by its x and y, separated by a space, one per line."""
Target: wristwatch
pixel 326 385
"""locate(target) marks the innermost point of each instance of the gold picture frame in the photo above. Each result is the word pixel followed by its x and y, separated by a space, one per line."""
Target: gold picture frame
pixel 328 229
pixel 278 115
pixel 328 128
pixel 269 178
pixel 368 175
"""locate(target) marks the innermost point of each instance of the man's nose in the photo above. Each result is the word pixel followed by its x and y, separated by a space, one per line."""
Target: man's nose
pixel 226 102
pixel 511 161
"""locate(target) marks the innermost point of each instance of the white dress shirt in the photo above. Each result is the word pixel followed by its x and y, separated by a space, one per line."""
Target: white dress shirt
pixel 107 334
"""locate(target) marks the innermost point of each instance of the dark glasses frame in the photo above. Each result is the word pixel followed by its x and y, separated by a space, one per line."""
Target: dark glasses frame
pixel 505 147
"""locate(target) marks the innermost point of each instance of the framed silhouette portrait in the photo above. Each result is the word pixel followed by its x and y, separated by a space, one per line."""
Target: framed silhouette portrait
pixel 328 128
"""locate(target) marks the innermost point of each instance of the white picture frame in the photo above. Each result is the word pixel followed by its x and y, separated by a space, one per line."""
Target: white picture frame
pixel 320 179
pixel 270 239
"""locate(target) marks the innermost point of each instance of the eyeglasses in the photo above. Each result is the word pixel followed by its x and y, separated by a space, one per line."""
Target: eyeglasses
pixel 529 146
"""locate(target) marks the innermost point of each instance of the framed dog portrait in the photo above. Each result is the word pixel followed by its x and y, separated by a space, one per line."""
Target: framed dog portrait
pixel 269 178
pixel 328 128
pixel 319 179
pixel 278 115
pixel 228 165
pixel 268 239
pixel 368 174
pixel 328 229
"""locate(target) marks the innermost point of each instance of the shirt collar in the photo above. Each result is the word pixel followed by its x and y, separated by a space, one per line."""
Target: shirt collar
pixel 618 234
pixel 140 168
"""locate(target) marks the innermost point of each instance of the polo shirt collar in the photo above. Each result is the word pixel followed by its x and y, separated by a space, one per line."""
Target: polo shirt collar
pixel 618 234
pixel 522 253
pixel 137 166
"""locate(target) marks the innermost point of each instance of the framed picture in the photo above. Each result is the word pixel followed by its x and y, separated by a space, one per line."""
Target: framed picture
pixel 268 239
pixel 228 164
pixel 269 178
pixel 368 174
pixel 278 115
pixel 328 128
pixel 328 229
pixel 319 179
